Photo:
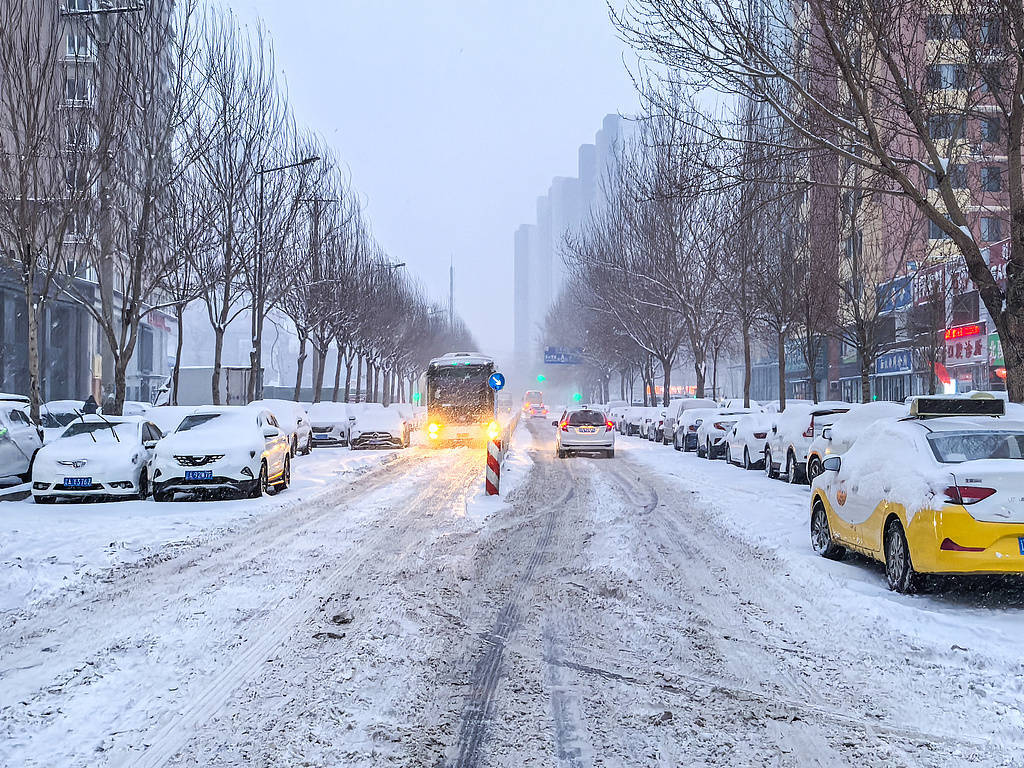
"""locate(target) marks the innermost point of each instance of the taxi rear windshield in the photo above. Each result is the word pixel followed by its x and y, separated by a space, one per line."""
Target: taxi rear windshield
pixel 586 419
pixel 954 447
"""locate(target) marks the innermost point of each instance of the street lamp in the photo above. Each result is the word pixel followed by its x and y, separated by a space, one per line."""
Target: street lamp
pixel 256 385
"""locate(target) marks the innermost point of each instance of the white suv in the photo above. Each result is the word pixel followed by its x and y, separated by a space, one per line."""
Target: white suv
pixel 791 434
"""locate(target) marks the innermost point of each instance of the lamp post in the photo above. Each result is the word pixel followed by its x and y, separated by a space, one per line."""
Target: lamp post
pixel 255 390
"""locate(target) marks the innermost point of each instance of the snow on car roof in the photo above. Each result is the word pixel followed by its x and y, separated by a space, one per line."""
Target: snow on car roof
pixel 964 423
pixel 463 358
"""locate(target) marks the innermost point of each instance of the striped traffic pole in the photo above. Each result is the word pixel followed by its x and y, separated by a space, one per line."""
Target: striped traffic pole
pixel 493 475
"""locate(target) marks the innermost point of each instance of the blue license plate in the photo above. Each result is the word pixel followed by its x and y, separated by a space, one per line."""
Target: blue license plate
pixel 199 474
pixel 322 437
pixel 1020 543
pixel 78 482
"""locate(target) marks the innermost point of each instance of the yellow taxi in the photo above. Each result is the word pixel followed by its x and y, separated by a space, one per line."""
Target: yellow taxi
pixel 940 491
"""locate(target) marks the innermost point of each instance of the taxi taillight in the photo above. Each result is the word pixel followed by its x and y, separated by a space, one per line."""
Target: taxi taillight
pixel 967 494
pixel 809 432
pixel 564 426
pixel 609 426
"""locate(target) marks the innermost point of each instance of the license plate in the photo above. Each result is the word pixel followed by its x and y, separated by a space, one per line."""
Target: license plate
pixel 1020 543
pixel 77 482
pixel 321 437
pixel 587 429
pixel 198 474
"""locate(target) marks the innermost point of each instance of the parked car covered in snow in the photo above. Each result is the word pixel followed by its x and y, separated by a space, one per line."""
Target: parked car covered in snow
pixel 379 428
pixel 19 441
pixel 687 424
pixel 168 417
pixel 791 434
pixel 747 440
pixel 223 449
pixel 676 407
pixel 835 440
pixel 56 415
pixel 330 423
pixel 293 420
pixel 713 429
pixel 773 406
pixel 96 457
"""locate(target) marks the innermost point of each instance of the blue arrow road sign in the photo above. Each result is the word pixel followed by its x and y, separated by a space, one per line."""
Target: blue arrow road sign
pixel 496 382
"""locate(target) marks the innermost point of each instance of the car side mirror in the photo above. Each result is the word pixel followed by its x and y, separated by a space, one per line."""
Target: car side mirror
pixel 271 432
pixel 832 464
pixel 554 423
pixel 827 433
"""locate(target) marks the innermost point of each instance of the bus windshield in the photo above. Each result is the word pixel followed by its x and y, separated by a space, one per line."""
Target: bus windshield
pixel 460 392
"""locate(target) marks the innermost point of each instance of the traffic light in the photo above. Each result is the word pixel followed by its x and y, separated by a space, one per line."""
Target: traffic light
pixel 541 378
pixel 577 397
pixel 415 397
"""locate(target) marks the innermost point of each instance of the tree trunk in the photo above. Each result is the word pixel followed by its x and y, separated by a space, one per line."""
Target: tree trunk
pixel 179 314
pixel 865 381
pixel 747 368
pixel 666 370
pixel 700 369
pixel 120 383
pixel 300 364
pixel 348 377
pixel 218 356
pixel 337 374
pixel 780 350
pixel 359 374
pixel 385 390
pixel 32 310
pixel 321 363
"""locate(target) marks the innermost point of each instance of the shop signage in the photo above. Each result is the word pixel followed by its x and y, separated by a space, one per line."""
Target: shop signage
pixel 896 362
pixel 966 345
pixel 995 350
pixel 895 294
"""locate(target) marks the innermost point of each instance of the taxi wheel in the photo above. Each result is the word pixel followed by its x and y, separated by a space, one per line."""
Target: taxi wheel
pixel 899 570
pixel 793 474
pixel 813 469
pixel 286 476
pixel 821 535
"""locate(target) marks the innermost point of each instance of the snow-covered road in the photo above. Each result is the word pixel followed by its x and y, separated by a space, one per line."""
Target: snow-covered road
pixel 653 609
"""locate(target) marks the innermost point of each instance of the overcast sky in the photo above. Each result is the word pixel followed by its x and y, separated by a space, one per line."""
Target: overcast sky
pixel 453 116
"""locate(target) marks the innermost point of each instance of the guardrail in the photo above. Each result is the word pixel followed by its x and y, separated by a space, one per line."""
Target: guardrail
pixel 497 450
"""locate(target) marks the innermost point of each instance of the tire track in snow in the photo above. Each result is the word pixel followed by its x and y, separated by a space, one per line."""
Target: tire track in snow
pixel 478 708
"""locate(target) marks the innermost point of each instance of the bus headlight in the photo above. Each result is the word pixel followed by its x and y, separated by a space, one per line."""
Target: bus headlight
pixel 432 431
pixel 493 430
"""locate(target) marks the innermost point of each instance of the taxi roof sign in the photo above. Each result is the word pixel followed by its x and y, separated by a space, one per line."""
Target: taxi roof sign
pixel 933 407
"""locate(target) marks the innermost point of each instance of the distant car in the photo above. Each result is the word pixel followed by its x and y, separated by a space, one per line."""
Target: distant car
pixel 835 440
pixel 97 457
pixel 791 434
pixel 746 441
pixel 687 424
pixel 223 449
pixel 635 420
pixel 19 441
pixel 168 417
pixel 135 408
pixel 713 429
pixel 330 422
pixel 584 430
pixel 293 419
pixel 56 415
pixel 938 492
pixel 379 428
pixel 773 406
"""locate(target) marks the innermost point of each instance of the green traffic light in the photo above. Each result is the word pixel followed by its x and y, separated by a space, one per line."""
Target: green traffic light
pixel 415 397
pixel 577 397
pixel 541 378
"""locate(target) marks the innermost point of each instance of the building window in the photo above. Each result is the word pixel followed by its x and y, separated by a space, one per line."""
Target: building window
pixel 946 127
pixel 79 5
pixel 991 229
pixel 77 88
pixel 945 27
pixel 991 32
pixel 991 130
pixel 942 77
pixel 79 44
pixel 935 232
pixel 992 178
pixel 957 177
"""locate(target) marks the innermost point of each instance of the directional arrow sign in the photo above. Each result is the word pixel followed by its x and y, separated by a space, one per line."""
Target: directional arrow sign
pixel 496 382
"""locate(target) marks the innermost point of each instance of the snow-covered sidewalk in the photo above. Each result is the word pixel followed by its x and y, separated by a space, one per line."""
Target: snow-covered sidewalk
pixel 46 549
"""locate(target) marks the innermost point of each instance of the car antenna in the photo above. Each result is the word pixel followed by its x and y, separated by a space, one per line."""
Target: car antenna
pixel 80 416
pixel 112 430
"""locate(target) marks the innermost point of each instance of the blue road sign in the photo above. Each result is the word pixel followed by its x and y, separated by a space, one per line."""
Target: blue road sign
pixel 496 382
pixel 563 355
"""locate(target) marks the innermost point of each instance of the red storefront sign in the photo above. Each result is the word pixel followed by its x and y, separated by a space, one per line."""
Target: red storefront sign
pixel 966 345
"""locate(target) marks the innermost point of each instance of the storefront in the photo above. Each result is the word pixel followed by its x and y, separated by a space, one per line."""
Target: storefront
pixel 893 375
pixel 996 364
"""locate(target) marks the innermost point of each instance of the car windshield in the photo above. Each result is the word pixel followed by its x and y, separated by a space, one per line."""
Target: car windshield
pixel 955 447
pixel 56 420
pixel 195 420
pixel 586 419
pixel 99 429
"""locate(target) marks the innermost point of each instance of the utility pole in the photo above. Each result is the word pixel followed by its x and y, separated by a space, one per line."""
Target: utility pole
pixel 451 294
